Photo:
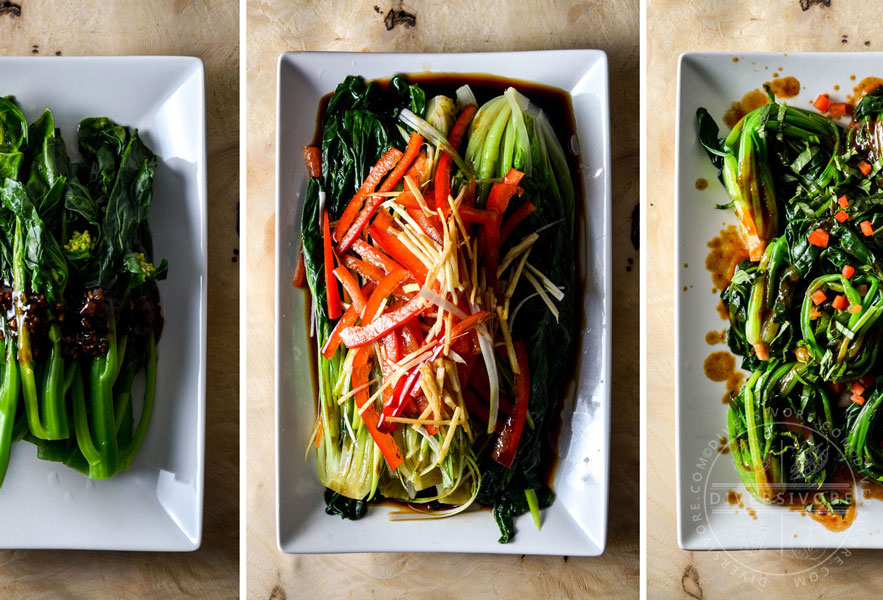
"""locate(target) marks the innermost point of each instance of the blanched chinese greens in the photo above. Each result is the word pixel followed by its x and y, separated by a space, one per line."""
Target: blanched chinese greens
pixel 81 304
pixel 479 444
pixel 805 309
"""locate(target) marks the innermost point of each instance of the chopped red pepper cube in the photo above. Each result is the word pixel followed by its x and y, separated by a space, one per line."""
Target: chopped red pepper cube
pixel 841 216
pixel 848 271
pixel 867 228
pixel 819 238
pixel 840 303
pixel 822 103
pixel 864 167
pixel 857 388
pixel 843 202
pixel 818 297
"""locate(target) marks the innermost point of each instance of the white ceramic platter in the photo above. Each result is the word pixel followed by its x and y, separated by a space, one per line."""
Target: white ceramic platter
pixel 706 520
pixel 576 523
pixel 157 505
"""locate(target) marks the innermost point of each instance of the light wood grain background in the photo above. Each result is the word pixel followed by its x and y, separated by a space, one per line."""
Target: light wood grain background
pixel 673 27
pixel 275 26
pixel 209 30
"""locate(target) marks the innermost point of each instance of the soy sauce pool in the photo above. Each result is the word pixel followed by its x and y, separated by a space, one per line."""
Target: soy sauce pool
pixel 558 108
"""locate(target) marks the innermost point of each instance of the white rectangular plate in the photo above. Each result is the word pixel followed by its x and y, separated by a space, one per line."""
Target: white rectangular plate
pixel 157 505
pixel 706 520
pixel 576 523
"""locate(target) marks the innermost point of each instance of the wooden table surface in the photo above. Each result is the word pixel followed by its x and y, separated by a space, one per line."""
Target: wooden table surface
pixel 737 26
pixel 278 25
pixel 209 30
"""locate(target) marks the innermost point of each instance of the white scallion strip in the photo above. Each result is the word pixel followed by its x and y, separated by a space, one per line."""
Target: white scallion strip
pixel 547 283
pixel 465 97
pixel 542 292
pixel 486 342
pixel 435 137
pixel 443 304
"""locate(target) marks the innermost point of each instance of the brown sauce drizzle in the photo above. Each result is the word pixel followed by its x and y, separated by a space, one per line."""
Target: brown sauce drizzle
pixel 865 86
pixel 715 337
pixel 727 251
pixel 719 365
pixel 784 87
pixel 701 184
pixel 753 99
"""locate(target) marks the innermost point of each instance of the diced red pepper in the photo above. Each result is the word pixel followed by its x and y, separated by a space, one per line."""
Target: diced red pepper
pixel 822 103
pixel 858 399
pixel 818 297
pixel 353 337
pixel 506 446
pixel 840 303
pixel 819 237
pixel 840 109
pixel 864 167
pixel 332 294
pixel 843 202
pixel 848 271
pixel 867 228
pixel 857 388
pixel 841 216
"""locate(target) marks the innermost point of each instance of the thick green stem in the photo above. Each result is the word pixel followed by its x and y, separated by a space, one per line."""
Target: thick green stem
pixel 127 454
pixel 54 407
pixel 103 374
pixel 8 405
pixel 25 359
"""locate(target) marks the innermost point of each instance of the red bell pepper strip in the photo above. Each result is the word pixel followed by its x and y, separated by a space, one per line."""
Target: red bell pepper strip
pixel 515 219
pixel 411 153
pixel 428 228
pixel 421 403
pixel 383 291
pixel 372 256
pixel 412 336
pixel 351 286
pixel 491 239
pixel 475 215
pixel 349 318
pixel 384 441
pixel 408 200
pixel 443 169
pixel 332 294
pixel 374 201
pixel 469 196
pixel 473 320
pixel 359 336
pixel 391 353
pixel 366 270
pixel 417 171
pixel 300 271
pixel 391 245
pixel 507 442
pixel 313 158
pixel 383 166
